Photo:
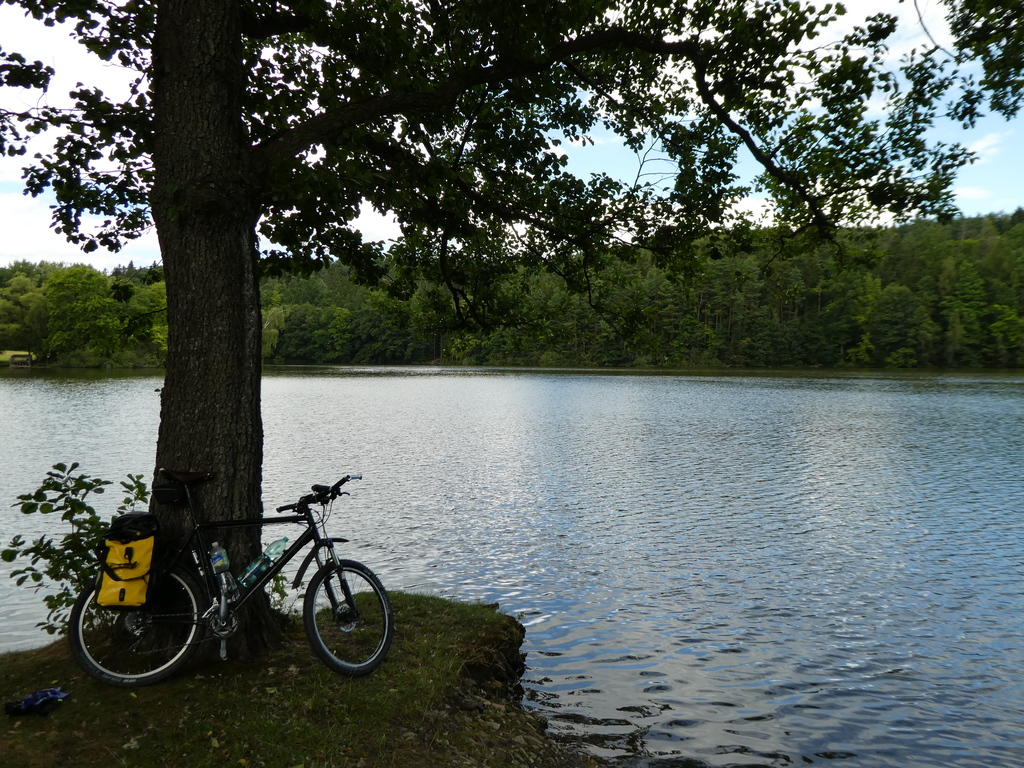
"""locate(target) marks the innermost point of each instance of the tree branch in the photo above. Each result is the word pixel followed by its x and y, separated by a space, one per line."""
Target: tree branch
pixel 821 220
pixel 281 150
pixel 263 27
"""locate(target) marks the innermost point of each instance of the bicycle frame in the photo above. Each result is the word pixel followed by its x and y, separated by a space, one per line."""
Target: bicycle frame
pixel 199 544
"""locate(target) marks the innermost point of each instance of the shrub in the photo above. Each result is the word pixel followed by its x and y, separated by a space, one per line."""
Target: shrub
pixel 65 567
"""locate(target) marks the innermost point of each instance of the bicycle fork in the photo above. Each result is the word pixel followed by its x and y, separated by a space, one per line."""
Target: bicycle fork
pixel 346 612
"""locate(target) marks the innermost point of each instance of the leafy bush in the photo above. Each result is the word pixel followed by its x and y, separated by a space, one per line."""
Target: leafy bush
pixel 66 566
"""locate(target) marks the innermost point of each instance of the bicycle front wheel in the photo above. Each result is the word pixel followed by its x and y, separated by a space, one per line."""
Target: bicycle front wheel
pixel 348 618
pixel 140 646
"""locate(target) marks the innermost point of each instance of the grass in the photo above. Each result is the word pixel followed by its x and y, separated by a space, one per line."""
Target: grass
pixel 447 695
pixel 5 355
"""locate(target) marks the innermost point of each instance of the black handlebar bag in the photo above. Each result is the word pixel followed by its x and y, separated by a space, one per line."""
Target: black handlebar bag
pixel 127 559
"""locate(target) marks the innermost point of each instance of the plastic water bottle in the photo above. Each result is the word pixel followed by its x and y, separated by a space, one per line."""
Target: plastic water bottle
pixel 222 570
pixel 262 563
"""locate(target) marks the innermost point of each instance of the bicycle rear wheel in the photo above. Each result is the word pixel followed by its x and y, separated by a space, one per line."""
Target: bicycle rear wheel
pixel 348 618
pixel 134 647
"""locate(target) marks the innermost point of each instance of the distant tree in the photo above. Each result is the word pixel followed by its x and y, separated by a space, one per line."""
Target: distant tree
pixel 963 310
pixel 23 315
pixel 314 334
pixel 273 321
pixel 144 311
pixel 84 316
pixel 38 272
pixel 894 327
pixel 1005 343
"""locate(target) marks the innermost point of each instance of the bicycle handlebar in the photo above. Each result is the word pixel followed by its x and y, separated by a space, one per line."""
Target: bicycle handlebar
pixel 321 494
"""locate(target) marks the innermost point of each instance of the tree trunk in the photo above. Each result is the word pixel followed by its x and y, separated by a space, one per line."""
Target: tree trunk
pixel 205 210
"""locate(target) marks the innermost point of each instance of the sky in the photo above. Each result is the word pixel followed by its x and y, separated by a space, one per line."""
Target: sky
pixel 992 184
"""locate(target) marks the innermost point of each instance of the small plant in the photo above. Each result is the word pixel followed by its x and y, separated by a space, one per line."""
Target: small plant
pixel 279 594
pixel 66 566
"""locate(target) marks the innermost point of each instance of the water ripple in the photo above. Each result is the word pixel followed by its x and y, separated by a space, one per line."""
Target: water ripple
pixel 713 571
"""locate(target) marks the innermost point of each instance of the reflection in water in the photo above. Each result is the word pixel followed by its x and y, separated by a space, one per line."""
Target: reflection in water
pixel 714 570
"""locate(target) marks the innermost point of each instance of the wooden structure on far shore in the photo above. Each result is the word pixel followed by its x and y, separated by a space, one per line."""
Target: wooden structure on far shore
pixel 21 361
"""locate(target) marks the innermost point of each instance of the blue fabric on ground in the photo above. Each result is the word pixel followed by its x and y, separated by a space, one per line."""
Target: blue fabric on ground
pixel 39 703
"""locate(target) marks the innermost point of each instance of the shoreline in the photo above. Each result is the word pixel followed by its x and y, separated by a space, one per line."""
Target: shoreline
pixel 448 694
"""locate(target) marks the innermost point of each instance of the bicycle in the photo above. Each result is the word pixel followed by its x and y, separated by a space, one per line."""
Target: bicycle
pixel 347 615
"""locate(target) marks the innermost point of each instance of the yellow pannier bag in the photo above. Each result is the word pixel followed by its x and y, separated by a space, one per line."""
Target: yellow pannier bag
pixel 126 559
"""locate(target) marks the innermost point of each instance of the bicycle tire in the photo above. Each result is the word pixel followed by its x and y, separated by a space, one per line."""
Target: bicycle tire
pixel 350 635
pixel 135 647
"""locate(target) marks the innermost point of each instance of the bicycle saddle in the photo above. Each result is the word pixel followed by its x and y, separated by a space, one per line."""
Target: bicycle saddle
pixel 187 478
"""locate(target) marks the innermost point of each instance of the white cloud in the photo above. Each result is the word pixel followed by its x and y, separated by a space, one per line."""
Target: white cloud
pixel 10 172
pixel 54 47
pixel 972 193
pixel 25 222
pixel 988 146
pixel 72 64
pixel 759 210
pixel 919 23
pixel 375 226
pixel 28 236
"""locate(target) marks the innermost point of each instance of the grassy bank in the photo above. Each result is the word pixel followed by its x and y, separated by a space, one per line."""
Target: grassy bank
pixel 446 696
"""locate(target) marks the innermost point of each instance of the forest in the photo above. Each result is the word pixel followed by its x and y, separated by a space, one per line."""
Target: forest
pixel 921 295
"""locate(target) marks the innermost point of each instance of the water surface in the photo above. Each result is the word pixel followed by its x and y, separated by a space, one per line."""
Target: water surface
pixel 714 570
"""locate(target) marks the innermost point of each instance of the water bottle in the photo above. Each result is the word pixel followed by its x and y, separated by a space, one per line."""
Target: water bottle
pixel 262 563
pixel 221 569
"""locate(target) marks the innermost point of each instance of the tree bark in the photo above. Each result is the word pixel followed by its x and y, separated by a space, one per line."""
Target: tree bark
pixel 205 210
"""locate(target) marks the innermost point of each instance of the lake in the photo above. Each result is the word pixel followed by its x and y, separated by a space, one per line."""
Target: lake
pixel 728 569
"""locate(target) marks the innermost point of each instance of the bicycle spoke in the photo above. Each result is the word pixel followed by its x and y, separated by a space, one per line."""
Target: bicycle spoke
pixel 348 618
pixel 139 646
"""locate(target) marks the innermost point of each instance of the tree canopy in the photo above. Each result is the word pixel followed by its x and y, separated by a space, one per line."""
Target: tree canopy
pixel 450 115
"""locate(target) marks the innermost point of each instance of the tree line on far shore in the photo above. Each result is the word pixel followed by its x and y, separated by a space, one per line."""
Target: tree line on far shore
pixel 927 295
pixel 77 317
